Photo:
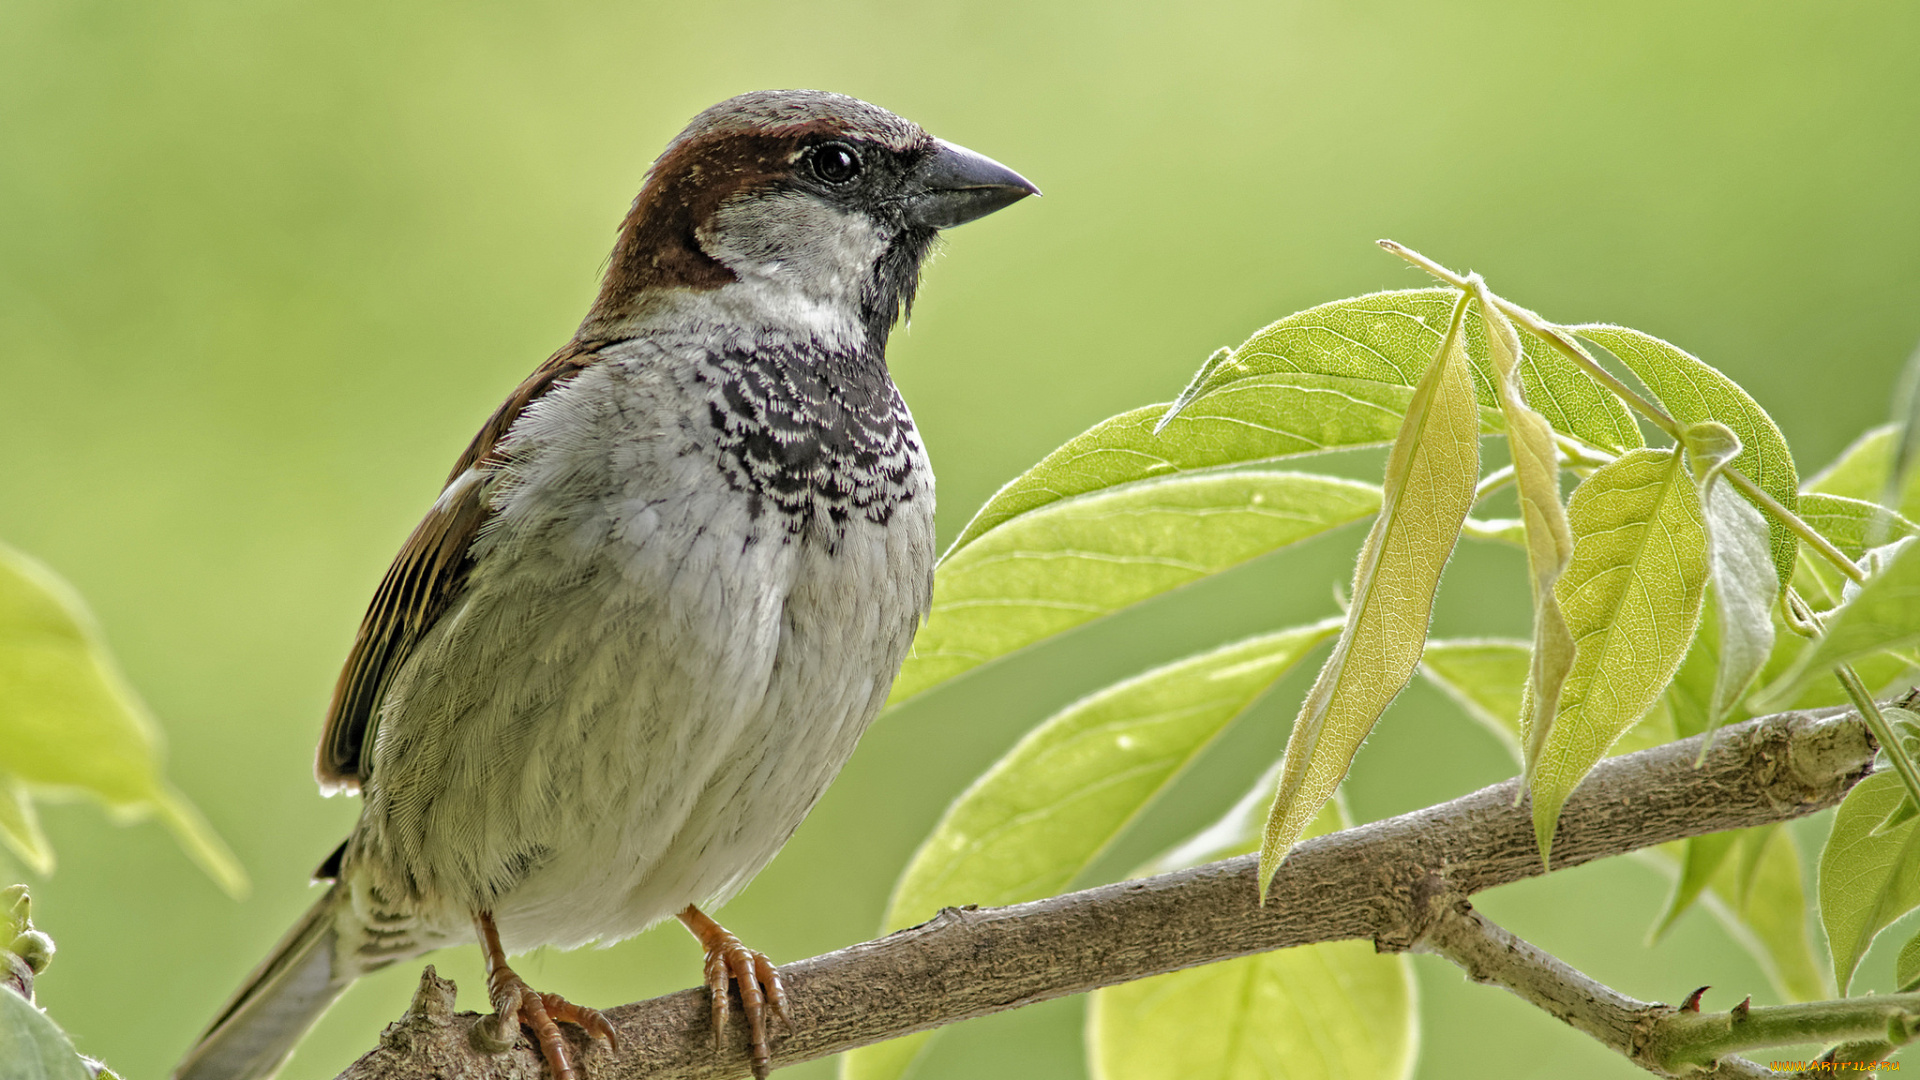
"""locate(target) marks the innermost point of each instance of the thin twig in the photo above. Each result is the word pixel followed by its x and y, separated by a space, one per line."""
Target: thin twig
pixel 1808 535
pixel 1882 730
pixel 1490 954
pixel 1657 1037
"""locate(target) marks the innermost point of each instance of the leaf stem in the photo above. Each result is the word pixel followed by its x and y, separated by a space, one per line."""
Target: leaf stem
pixel 1799 616
pixel 1493 482
pixel 1552 335
pixel 1868 708
pixel 1577 454
pixel 1556 336
pixel 1807 533
pixel 1883 731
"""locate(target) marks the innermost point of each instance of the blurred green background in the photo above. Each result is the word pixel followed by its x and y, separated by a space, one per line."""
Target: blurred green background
pixel 264 266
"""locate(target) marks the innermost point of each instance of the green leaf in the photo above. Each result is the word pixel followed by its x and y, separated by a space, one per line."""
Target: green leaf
pixel 1906 969
pixel 1028 826
pixel 1903 452
pixel 1698 865
pixel 1879 672
pixel 1885 614
pixel 69 722
pixel 1632 596
pixel 1756 894
pixel 32 1047
pixel 1689 697
pixel 1331 1010
pixel 1033 821
pixel 1693 391
pixel 1078 559
pixel 1487 678
pixel 1860 472
pixel 1333 377
pixel 1852 524
pixel 1429 488
pixel 1868 878
pixel 1759 896
pixel 1536 471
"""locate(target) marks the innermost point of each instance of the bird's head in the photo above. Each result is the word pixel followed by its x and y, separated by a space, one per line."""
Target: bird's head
pixel 798 207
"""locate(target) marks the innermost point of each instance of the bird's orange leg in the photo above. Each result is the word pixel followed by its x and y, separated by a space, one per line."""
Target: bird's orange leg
pixel 514 1001
pixel 759 982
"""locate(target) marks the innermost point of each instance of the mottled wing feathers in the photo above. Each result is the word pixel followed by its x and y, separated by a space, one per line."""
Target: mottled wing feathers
pixel 422 584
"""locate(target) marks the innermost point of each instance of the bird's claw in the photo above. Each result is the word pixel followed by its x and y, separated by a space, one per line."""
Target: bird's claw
pixel 513 1000
pixel 728 964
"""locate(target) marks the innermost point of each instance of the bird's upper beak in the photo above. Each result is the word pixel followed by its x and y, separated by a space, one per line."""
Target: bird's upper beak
pixel 954 185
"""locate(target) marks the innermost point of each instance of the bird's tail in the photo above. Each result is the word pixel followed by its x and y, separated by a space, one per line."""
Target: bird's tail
pixel 256 1032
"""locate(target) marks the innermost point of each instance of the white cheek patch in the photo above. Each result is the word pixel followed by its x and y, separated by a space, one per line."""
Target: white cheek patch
pixel 797 241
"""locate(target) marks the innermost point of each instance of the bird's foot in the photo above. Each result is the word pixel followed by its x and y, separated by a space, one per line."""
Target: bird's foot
pixel 514 1002
pixel 761 992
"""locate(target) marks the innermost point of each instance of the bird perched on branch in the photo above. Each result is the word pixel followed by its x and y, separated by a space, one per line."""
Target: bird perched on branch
pixel 662 593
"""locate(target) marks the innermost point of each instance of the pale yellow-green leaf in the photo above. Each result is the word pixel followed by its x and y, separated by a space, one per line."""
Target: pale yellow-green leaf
pixel 1042 813
pixel 1693 391
pixel 1741 572
pixel 1885 615
pixel 20 827
pixel 1334 1010
pixel 885 1061
pixel 1078 559
pixel 1711 446
pixel 1741 580
pixel 70 723
pixel 1884 673
pixel 1428 490
pixel 1632 597
pixel 1332 377
pixel 1860 472
pixel 1868 878
pixel 1536 472
pixel 1689 696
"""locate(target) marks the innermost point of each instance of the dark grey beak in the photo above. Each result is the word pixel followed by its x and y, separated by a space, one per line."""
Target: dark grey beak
pixel 954 185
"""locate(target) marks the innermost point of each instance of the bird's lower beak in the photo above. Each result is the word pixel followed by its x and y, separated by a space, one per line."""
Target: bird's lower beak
pixel 956 185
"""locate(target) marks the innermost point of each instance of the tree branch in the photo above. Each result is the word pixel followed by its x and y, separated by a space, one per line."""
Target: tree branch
pixel 1490 954
pixel 1388 882
pixel 1657 1037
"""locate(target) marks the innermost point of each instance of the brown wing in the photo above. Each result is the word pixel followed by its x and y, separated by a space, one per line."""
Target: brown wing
pixel 422 584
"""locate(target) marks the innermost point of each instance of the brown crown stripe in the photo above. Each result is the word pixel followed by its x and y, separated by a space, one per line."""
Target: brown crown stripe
pixel 658 246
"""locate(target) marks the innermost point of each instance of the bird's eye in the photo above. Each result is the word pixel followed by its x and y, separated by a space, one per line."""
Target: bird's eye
pixel 835 163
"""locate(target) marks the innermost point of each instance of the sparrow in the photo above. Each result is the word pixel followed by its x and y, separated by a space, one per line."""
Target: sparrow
pixel 661 595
